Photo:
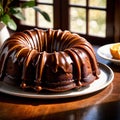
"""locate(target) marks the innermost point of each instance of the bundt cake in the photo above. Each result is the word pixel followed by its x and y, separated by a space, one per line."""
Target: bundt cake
pixel 52 60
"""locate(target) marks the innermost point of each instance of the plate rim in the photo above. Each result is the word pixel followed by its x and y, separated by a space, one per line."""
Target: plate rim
pixel 68 94
pixel 105 57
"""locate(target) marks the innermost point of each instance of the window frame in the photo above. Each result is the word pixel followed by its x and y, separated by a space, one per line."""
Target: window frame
pixel 61 21
pixel 93 39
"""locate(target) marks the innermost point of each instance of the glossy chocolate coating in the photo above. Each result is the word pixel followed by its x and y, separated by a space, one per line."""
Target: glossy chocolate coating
pixel 53 59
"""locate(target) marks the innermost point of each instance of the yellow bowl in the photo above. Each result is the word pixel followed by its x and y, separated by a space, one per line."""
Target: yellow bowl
pixel 115 50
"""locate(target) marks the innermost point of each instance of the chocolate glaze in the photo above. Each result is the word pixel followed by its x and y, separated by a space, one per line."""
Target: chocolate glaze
pixel 53 59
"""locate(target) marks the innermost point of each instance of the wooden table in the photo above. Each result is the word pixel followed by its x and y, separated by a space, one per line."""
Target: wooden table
pixel 104 104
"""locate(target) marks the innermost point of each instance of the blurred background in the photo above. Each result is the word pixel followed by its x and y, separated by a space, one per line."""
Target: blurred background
pixel 96 20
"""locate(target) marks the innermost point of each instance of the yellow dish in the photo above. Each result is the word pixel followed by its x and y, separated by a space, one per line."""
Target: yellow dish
pixel 115 50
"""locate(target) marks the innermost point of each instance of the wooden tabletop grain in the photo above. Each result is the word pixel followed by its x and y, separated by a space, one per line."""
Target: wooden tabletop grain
pixel 101 105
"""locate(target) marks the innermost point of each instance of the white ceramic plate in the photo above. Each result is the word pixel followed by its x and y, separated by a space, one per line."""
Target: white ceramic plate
pixel 105 79
pixel 104 52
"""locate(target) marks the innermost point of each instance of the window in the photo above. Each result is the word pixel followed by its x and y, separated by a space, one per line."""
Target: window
pixel 36 19
pixel 88 17
pixel 92 19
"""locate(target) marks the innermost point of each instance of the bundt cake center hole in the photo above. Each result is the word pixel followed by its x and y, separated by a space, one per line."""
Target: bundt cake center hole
pixel 49 50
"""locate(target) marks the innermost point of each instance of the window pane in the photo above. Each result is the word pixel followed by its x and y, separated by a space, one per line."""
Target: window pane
pixel 41 21
pixel 78 2
pixel 45 1
pixel 97 23
pixel 29 14
pixel 97 3
pixel 78 20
